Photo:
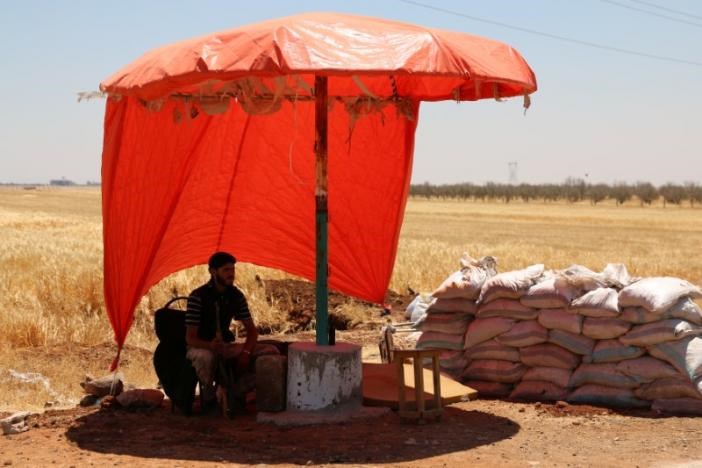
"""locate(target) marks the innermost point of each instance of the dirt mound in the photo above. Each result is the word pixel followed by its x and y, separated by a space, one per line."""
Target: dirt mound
pixel 345 312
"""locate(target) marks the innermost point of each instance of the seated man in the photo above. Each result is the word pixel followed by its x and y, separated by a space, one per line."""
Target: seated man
pixel 211 308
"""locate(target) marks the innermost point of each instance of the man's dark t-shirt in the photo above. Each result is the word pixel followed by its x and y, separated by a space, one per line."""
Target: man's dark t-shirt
pixel 202 310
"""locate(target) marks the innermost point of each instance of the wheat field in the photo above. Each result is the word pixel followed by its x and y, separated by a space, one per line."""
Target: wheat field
pixel 53 322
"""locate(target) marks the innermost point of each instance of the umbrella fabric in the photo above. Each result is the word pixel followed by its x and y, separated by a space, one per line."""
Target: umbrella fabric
pixel 209 145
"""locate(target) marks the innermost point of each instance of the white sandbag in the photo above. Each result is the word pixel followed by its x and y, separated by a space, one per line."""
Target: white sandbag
pixel 600 302
pixel 614 275
pixel 685 355
pixel 510 285
pixel 467 282
pixel 492 349
pixel 489 389
pixel 436 340
pixel 525 333
pixel 555 375
pixel 675 387
pixel 685 309
pixel 494 371
pixel 551 293
pixel 510 308
pixel 601 374
pixel 615 351
pixel 577 344
pixel 647 369
pixel 639 315
pixel 417 309
pixel 548 355
pixel 480 330
pixel 660 332
pixel 451 323
pixel 534 390
pixel 456 305
pixel 657 294
pixel 678 406
pixel 561 319
pixel 606 396
pixel 604 328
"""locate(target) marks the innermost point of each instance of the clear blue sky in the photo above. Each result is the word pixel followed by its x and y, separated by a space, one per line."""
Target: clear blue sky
pixel 612 116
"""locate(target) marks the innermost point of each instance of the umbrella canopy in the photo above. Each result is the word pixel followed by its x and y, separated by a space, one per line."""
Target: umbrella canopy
pixel 209 145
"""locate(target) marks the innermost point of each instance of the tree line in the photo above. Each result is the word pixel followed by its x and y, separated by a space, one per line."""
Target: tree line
pixel 572 190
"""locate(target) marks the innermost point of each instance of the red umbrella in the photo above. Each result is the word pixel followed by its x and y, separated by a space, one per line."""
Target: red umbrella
pixel 221 143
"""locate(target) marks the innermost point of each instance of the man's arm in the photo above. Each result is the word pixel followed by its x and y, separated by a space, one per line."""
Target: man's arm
pixel 192 324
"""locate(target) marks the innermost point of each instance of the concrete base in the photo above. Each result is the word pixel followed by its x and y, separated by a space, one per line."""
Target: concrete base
pixel 328 416
pixel 324 377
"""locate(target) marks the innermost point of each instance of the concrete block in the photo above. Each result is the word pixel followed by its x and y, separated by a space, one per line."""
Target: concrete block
pixel 271 382
pixel 321 377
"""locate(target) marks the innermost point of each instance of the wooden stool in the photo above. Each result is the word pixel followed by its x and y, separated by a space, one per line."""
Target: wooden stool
pixel 418 411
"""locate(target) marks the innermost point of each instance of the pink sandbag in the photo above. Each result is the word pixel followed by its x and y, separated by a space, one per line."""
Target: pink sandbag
pixel 600 302
pixel 561 319
pixel 510 308
pixel 534 390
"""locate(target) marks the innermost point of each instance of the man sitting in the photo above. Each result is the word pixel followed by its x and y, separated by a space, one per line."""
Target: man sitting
pixel 211 309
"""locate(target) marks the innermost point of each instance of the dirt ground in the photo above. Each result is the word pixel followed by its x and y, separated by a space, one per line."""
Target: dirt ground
pixel 479 433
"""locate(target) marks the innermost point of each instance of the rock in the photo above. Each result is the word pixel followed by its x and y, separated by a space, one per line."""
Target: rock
pixel 15 423
pixel 103 386
pixel 108 402
pixel 271 379
pixel 89 400
pixel 141 398
pixel 562 404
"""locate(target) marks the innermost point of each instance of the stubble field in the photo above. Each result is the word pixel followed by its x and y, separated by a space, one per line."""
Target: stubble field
pixel 53 323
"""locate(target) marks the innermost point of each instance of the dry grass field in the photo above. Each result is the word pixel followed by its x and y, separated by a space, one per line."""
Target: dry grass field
pixel 53 320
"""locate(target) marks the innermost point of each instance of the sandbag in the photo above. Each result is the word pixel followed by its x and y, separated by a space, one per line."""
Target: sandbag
pixel 548 355
pixel 647 369
pixel 451 323
pixel 434 340
pixel 606 396
pixel 685 355
pixel 555 375
pixel 600 302
pixel 534 390
pixel 489 389
pixel 674 387
pixel 509 308
pixel 561 319
pixel 492 349
pixel 456 305
pixel 417 309
pixel 604 328
pixel 685 309
pixel 494 371
pixel 660 332
pixel 657 294
pixel 614 275
pixel 525 333
pixel 601 374
pixel 452 360
pixel 614 351
pixel 550 293
pixel 481 330
pixel 510 285
pixel 577 344
pixel 467 282
pixel 678 406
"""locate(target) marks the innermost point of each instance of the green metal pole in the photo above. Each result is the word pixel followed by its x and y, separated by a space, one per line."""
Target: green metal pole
pixel 321 210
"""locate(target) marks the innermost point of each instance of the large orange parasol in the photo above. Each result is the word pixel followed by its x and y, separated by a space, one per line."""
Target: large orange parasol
pixel 231 141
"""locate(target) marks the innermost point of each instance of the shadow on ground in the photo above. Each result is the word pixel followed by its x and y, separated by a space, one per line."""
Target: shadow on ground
pixel 385 439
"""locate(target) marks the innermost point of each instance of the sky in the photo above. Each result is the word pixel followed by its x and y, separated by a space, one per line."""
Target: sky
pixel 600 115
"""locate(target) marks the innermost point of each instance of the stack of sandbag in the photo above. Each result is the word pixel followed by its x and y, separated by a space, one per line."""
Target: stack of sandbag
pixel 452 308
pixel 586 337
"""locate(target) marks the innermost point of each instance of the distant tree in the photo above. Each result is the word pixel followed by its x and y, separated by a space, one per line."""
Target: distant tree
pixel 645 192
pixel 621 192
pixel 574 189
pixel 672 193
pixel 693 192
pixel 597 193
